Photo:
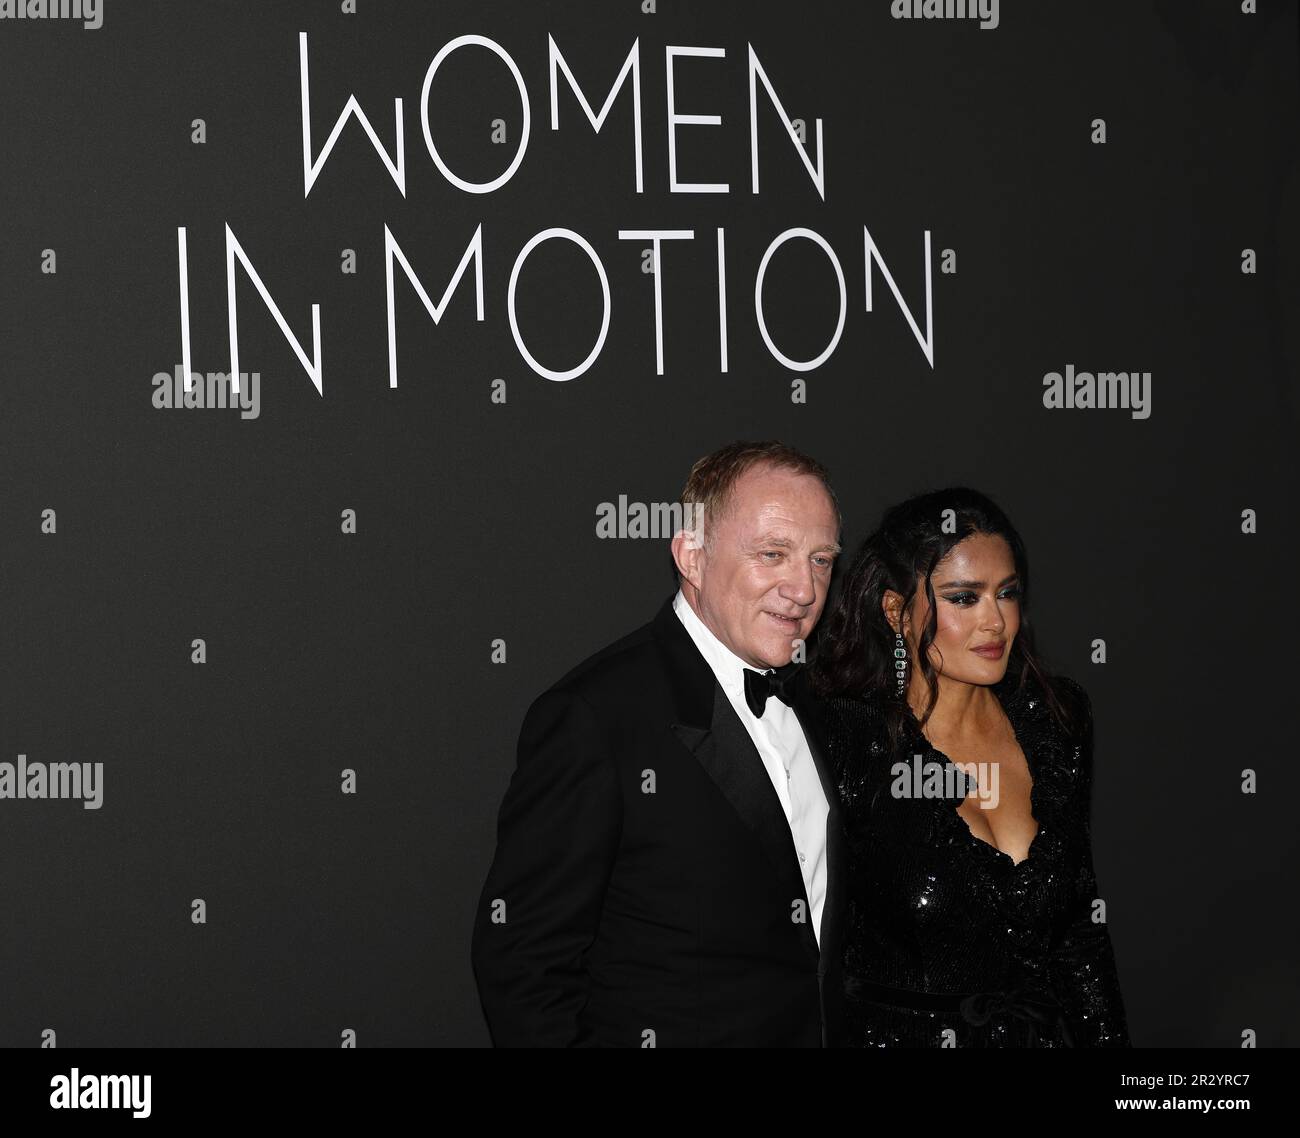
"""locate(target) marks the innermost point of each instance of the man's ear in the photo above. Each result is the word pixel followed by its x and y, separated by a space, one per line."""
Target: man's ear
pixel 687 553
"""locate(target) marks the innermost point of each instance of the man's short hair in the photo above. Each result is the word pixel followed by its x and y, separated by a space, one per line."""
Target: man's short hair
pixel 706 497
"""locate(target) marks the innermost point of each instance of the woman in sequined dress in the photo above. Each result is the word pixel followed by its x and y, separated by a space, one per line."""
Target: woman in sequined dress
pixel 964 770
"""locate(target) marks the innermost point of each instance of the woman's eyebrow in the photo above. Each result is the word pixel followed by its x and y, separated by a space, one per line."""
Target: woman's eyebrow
pixel 971 584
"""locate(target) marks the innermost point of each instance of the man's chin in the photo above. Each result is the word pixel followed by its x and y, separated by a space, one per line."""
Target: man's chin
pixel 777 654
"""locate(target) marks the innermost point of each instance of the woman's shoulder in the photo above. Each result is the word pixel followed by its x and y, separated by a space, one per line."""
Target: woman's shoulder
pixel 1035 700
pixel 1071 690
pixel 1060 735
pixel 1073 697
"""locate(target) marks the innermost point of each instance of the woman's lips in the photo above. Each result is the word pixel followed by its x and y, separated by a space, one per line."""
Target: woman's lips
pixel 990 651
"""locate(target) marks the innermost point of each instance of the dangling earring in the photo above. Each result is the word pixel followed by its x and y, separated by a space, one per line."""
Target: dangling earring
pixel 900 662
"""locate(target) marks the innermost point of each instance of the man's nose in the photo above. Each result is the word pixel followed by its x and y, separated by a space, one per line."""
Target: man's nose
pixel 799 586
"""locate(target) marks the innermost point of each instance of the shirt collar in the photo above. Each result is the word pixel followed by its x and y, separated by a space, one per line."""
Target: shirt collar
pixel 727 666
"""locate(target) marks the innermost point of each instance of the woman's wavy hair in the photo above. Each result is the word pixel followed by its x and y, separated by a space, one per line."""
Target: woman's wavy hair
pixel 856 645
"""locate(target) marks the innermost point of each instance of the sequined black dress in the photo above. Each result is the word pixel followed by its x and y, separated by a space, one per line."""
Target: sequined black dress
pixel 949 941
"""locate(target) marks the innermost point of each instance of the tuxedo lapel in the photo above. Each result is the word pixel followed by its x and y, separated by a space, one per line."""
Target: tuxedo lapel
pixel 708 726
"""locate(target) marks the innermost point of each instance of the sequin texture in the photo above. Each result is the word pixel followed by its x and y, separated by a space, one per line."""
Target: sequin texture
pixel 949 941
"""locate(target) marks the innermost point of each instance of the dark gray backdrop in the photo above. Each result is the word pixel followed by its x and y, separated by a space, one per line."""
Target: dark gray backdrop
pixel 476 520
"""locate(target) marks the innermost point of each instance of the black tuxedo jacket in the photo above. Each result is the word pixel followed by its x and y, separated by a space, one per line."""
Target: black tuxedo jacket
pixel 646 889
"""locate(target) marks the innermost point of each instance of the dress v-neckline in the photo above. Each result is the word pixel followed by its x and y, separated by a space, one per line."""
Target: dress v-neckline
pixel 1031 764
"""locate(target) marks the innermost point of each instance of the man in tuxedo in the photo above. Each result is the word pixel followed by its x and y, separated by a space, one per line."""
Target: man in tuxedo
pixel 669 860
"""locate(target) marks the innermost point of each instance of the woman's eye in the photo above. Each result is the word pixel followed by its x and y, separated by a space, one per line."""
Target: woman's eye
pixel 1012 594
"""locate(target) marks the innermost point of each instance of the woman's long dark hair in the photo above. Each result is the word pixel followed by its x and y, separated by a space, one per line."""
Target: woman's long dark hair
pixel 856 646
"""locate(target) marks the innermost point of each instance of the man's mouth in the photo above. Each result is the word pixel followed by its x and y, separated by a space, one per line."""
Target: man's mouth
pixel 789 623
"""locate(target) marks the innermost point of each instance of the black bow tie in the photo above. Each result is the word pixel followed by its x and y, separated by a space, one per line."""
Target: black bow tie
pixel 760 685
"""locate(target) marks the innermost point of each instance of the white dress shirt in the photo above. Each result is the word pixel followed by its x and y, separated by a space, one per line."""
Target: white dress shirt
pixel 780 740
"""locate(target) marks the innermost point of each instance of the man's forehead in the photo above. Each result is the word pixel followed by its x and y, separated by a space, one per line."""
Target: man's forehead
pixel 774 510
pixel 756 511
